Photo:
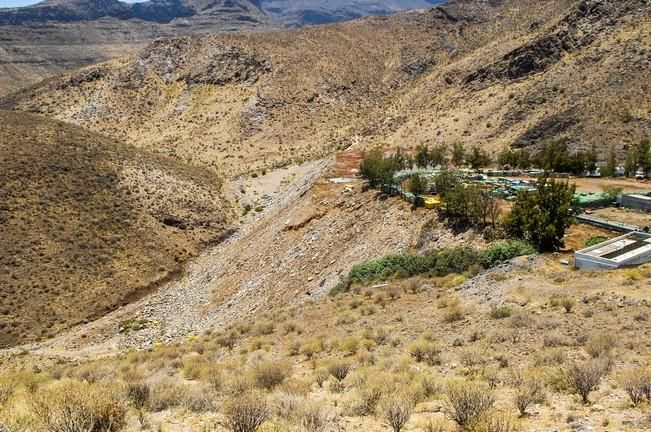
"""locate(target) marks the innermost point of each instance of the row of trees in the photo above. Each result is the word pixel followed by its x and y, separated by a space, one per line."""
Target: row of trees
pixel 554 156
pixel 540 217
pixel 438 155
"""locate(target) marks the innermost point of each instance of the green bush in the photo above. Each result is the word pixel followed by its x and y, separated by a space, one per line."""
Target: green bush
pixel 387 266
pixel 594 240
pixel 377 169
pixel 504 251
pixel 455 260
pixel 500 312
pixel 439 263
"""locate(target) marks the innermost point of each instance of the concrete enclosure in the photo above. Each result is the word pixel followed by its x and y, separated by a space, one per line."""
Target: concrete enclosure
pixel 625 251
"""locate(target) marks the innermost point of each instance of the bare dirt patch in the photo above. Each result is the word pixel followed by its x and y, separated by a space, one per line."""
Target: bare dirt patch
pixel 628 216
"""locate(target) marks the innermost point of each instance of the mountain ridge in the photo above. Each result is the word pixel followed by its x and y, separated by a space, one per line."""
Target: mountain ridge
pixel 159 11
pixel 56 36
pixel 435 76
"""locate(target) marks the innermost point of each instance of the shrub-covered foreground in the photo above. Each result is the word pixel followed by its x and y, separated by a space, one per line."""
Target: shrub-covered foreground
pixel 438 263
pixel 414 356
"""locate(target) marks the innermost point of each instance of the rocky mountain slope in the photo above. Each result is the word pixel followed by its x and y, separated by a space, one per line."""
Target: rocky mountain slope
pixel 582 78
pixel 301 12
pixel 88 224
pixel 498 73
pixel 160 11
pixel 57 36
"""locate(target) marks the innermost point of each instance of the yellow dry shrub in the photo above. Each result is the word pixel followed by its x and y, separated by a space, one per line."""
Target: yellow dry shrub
pixel 72 405
pixel 634 274
pixel 454 280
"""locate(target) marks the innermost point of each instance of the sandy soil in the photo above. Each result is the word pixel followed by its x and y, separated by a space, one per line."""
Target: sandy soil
pixel 598 184
pixel 633 217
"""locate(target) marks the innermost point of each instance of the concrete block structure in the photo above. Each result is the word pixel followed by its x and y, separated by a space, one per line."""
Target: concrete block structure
pixel 629 250
pixel 636 201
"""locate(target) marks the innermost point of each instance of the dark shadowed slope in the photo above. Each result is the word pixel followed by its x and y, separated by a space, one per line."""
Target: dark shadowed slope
pixel 87 224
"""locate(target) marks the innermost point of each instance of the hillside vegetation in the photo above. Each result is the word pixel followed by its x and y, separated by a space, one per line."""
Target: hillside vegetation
pixel 508 73
pixel 527 346
pixel 88 224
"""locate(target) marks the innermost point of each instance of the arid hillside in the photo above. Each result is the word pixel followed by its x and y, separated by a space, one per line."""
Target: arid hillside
pixel 303 12
pixel 240 102
pixel 582 78
pixel 88 224
pixel 57 36
pixel 496 73
pixel 510 350
pixel 51 38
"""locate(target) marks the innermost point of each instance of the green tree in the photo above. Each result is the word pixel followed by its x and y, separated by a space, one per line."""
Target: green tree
pixel 591 159
pixel 612 192
pixel 459 202
pixel 439 155
pixel 402 160
pixel 417 184
pixel 576 163
pixel 458 154
pixel 553 156
pixel 423 157
pixel 445 182
pixel 610 167
pixel 514 158
pixel 485 207
pixel 643 155
pixel 478 158
pixel 523 158
pixel 377 169
pixel 505 157
pixel 631 165
pixel 543 216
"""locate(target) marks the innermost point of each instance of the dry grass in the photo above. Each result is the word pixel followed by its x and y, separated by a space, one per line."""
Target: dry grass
pixel 601 345
pixel 397 410
pixel 637 384
pixel 246 413
pixel 70 406
pixel 88 224
pixel 270 374
pixel 468 401
pixel 529 389
pixel 425 351
pixel 585 377
pixel 401 350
